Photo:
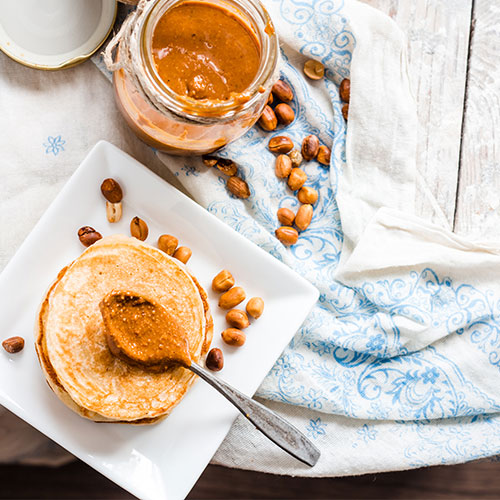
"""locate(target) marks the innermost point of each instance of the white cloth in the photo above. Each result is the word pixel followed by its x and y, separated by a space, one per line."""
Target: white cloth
pixel 404 341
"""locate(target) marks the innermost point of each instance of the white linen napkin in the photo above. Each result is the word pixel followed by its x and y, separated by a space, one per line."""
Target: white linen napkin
pixel 397 365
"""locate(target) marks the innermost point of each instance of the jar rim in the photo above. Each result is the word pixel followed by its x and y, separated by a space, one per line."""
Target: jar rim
pixel 208 109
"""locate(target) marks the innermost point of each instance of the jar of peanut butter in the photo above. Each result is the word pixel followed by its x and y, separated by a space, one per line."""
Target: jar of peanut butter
pixel 193 75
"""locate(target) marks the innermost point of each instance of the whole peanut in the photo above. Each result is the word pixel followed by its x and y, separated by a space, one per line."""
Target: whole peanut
pixel 284 113
pixel 215 360
pixel 310 146
pixel 287 235
pixel 88 235
pixel 238 187
pixel 168 243
pixel 233 336
pixel 139 229
pixel 232 298
pixel 296 179
pixel 285 216
pixel 268 120
pixel 307 195
pixel 280 144
pixel 282 91
pixel 13 344
pixel 255 307
pixel 237 319
pixel 223 281
pixel 323 155
pixel 345 111
pixel 283 166
pixel 183 254
pixel 111 190
pixel 303 217
pixel 345 90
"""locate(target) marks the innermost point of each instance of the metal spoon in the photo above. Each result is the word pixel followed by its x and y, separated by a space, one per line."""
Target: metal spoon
pixel 276 428
pixel 129 318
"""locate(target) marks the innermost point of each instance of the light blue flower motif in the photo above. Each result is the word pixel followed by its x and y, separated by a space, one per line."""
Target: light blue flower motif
pixel 54 145
pixel 367 433
pixel 375 342
pixel 316 428
pixel 190 170
pixel 430 375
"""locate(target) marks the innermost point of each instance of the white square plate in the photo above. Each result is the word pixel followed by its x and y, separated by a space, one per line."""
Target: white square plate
pixel 166 459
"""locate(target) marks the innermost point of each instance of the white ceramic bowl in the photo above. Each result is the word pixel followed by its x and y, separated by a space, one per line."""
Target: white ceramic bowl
pixel 54 34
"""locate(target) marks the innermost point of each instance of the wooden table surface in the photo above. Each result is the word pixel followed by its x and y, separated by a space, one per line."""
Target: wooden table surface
pixel 454 51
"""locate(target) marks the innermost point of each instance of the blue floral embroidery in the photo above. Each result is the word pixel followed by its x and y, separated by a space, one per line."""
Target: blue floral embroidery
pixel 349 357
pixel 316 428
pixel 190 170
pixel 54 145
pixel 367 432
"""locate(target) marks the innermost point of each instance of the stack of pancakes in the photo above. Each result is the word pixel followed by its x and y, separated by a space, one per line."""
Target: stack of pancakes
pixel 71 342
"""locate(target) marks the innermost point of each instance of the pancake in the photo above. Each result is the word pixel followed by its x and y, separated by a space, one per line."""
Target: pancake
pixel 71 343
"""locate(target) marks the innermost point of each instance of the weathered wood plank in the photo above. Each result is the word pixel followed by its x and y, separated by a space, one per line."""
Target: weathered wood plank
pixel 478 480
pixel 438 39
pixel 478 206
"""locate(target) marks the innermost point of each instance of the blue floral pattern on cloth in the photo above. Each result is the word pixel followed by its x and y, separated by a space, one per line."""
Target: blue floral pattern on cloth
pixel 316 428
pixel 349 357
pixel 54 145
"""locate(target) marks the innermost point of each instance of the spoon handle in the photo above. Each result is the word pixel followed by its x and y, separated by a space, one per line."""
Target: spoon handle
pixel 276 428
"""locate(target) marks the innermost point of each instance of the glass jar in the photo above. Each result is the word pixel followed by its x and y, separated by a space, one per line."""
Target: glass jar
pixel 179 124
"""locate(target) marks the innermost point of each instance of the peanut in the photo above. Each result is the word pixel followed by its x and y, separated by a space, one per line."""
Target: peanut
pixel 233 336
pixel 283 166
pixel 113 211
pixel 111 190
pixel 345 89
pixel 310 146
pixel 13 344
pixel 282 91
pixel 183 254
pixel 268 120
pixel 138 228
pixel 303 217
pixel 324 155
pixel 223 281
pixel 287 235
pixel 237 319
pixel 296 179
pixel 238 187
pixel 168 243
pixel 284 113
pixel 296 157
pixel 88 235
pixel 215 360
pixel 209 161
pixel 286 216
pixel 227 167
pixel 345 111
pixel 314 69
pixel 280 144
pixel 255 307
pixel 307 195
pixel 232 298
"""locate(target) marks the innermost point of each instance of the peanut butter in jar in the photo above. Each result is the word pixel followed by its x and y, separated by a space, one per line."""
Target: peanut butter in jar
pixel 192 76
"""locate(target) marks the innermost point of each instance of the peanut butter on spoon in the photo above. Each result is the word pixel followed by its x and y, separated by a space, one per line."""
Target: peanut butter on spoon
pixel 143 333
